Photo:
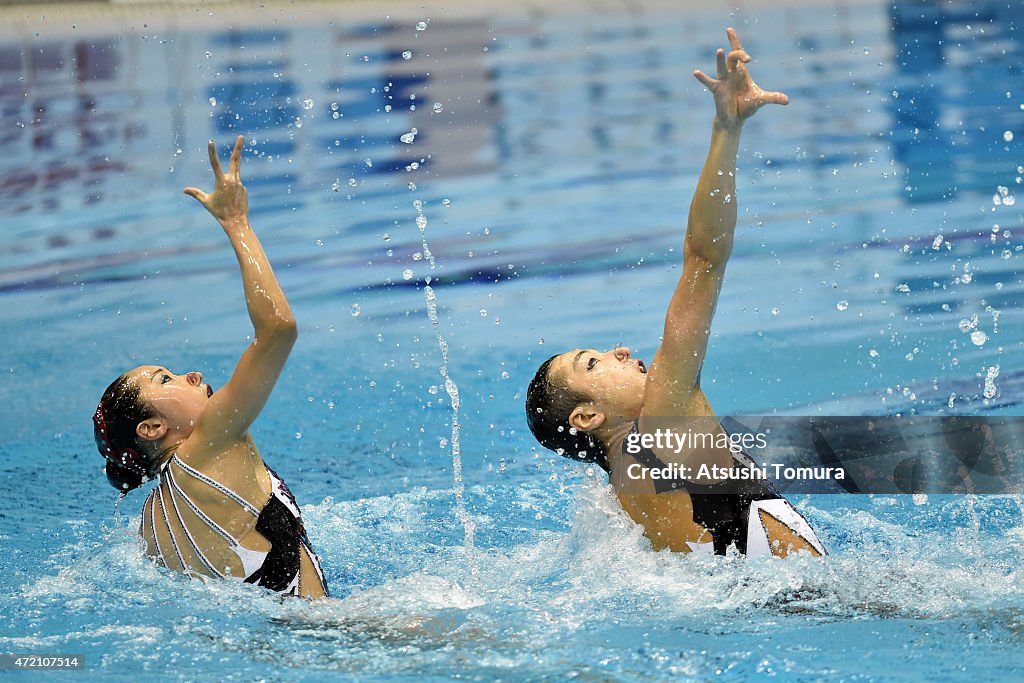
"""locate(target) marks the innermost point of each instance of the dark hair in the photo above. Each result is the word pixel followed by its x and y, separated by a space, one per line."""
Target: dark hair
pixel 120 411
pixel 548 407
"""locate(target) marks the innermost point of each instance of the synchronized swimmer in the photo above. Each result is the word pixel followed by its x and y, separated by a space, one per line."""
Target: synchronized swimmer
pixel 218 511
pixel 605 407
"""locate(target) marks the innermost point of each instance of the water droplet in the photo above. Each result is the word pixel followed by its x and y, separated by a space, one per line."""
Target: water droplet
pixel 421 26
pixel 298 435
pixel 432 390
pixel 842 305
pixel 387 237
pixel 443 443
pixel 937 242
pixel 307 104
pixel 978 338
pixel 352 182
pixel 421 221
pixel 504 374
pixel 213 101
pixel 873 353
pixel 438 107
pixel 407 55
pixel 1008 136
pixel 990 381
pixel 407 138
pixel 775 310
pixel 1006 254
pixel 446 202
pixel 483 312
pixel 903 288
pixel 407 274
pixel 208 54
pixel 355 310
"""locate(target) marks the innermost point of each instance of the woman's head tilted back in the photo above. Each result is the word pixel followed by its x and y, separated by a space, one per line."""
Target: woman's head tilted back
pixel 549 403
pixel 114 426
pixel 141 412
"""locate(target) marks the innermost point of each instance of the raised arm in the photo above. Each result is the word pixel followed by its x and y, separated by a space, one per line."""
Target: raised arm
pixel 673 383
pixel 233 408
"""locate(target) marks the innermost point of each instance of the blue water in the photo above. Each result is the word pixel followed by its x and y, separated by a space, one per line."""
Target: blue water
pixel 554 179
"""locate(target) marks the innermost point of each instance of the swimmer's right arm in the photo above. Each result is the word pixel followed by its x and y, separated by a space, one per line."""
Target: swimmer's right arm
pixel 232 409
pixel 673 383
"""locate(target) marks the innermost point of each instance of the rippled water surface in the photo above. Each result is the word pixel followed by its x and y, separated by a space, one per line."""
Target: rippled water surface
pixel 547 158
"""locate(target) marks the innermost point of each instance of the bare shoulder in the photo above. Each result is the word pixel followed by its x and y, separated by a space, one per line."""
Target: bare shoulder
pixel 237 466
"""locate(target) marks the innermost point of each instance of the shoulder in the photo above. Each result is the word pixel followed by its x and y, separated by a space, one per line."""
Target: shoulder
pixel 237 466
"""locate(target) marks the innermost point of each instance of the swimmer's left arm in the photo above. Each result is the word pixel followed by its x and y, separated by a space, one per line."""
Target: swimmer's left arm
pixel 236 405
pixel 673 384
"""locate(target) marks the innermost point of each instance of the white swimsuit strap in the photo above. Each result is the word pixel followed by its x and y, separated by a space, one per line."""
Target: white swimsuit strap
pixel 251 559
pixel 217 528
pixel 188 535
pixel 152 524
pixel 170 532
pixel 215 484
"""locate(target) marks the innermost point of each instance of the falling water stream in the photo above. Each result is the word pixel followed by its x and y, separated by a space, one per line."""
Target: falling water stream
pixel 458 487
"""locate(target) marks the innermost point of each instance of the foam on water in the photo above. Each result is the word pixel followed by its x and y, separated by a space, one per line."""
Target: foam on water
pixel 558 590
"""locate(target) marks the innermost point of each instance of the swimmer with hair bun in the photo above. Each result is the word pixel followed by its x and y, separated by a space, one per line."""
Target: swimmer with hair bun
pixel 600 406
pixel 217 510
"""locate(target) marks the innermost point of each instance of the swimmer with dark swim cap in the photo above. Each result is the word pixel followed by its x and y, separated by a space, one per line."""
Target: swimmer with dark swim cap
pixel 596 406
pixel 217 509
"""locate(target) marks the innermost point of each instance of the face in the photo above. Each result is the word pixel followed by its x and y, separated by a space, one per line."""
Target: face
pixel 613 378
pixel 179 400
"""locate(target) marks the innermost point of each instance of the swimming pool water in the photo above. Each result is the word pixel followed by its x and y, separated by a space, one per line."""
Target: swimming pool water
pixel 554 156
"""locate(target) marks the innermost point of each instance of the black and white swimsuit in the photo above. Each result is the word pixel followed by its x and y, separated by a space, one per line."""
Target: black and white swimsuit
pixel 734 512
pixel 278 521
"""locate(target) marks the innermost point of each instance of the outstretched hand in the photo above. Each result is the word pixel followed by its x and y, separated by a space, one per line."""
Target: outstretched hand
pixel 229 200
pixel 737 97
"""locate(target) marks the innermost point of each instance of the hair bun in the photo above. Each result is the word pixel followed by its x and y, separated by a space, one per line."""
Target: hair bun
pixel 122 478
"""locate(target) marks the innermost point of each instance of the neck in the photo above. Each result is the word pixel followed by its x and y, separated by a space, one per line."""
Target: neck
pixel 165 452
pixel 613 431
